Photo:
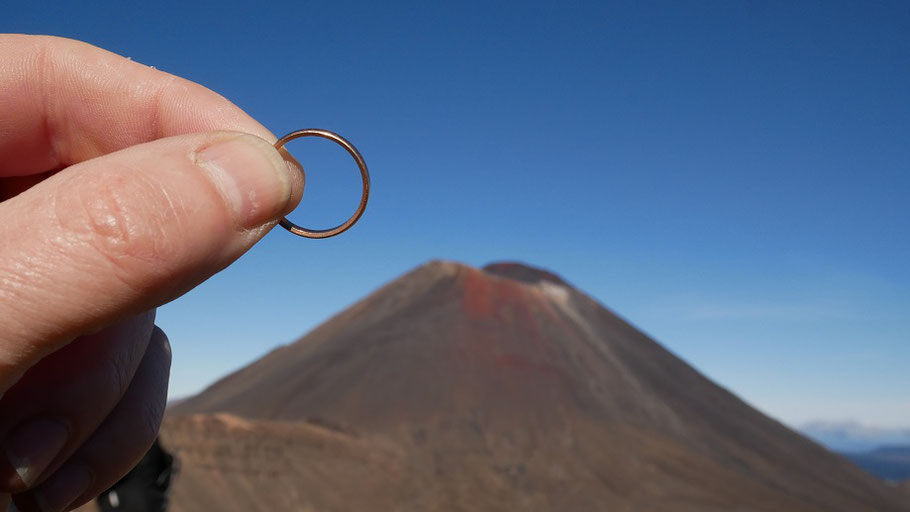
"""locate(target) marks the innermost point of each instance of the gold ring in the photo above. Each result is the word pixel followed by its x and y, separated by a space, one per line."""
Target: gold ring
pixel 364 174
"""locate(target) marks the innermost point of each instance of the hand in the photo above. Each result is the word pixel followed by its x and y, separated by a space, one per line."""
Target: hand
pixel 118 195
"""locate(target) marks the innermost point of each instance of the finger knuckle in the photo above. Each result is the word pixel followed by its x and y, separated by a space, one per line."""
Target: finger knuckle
pixel 127 219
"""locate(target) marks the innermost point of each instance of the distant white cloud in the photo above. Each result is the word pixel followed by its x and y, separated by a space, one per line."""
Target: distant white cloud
pixel 878 416
pixel 853 436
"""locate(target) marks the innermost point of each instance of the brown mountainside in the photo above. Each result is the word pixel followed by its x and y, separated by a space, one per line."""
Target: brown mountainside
pixel 454 388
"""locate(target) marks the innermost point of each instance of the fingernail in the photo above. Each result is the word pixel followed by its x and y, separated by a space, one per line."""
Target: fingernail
pixel 69 483
pixel 31 447
pixel 251 176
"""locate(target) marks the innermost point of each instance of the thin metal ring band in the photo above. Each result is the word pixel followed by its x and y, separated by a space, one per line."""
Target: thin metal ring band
pixel 364 174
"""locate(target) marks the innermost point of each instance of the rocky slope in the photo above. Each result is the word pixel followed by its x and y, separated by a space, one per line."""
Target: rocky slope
pixel 454 388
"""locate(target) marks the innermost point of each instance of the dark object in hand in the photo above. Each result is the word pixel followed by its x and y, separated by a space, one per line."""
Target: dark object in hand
pixel 145 488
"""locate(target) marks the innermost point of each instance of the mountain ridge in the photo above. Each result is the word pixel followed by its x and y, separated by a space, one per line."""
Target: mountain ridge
pixel 510 368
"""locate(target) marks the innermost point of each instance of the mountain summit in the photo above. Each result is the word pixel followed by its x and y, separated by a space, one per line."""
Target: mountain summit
pixel 504 388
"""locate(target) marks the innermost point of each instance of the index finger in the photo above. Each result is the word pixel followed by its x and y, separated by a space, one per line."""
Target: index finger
pixel 64 101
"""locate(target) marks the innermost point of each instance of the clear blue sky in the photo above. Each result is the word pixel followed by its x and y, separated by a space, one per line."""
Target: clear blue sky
pixel 732 177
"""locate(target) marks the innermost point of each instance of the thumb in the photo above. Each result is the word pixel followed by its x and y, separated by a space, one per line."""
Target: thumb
pixel 126 232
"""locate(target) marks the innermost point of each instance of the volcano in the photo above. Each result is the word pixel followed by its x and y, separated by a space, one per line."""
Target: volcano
pixel 504 388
